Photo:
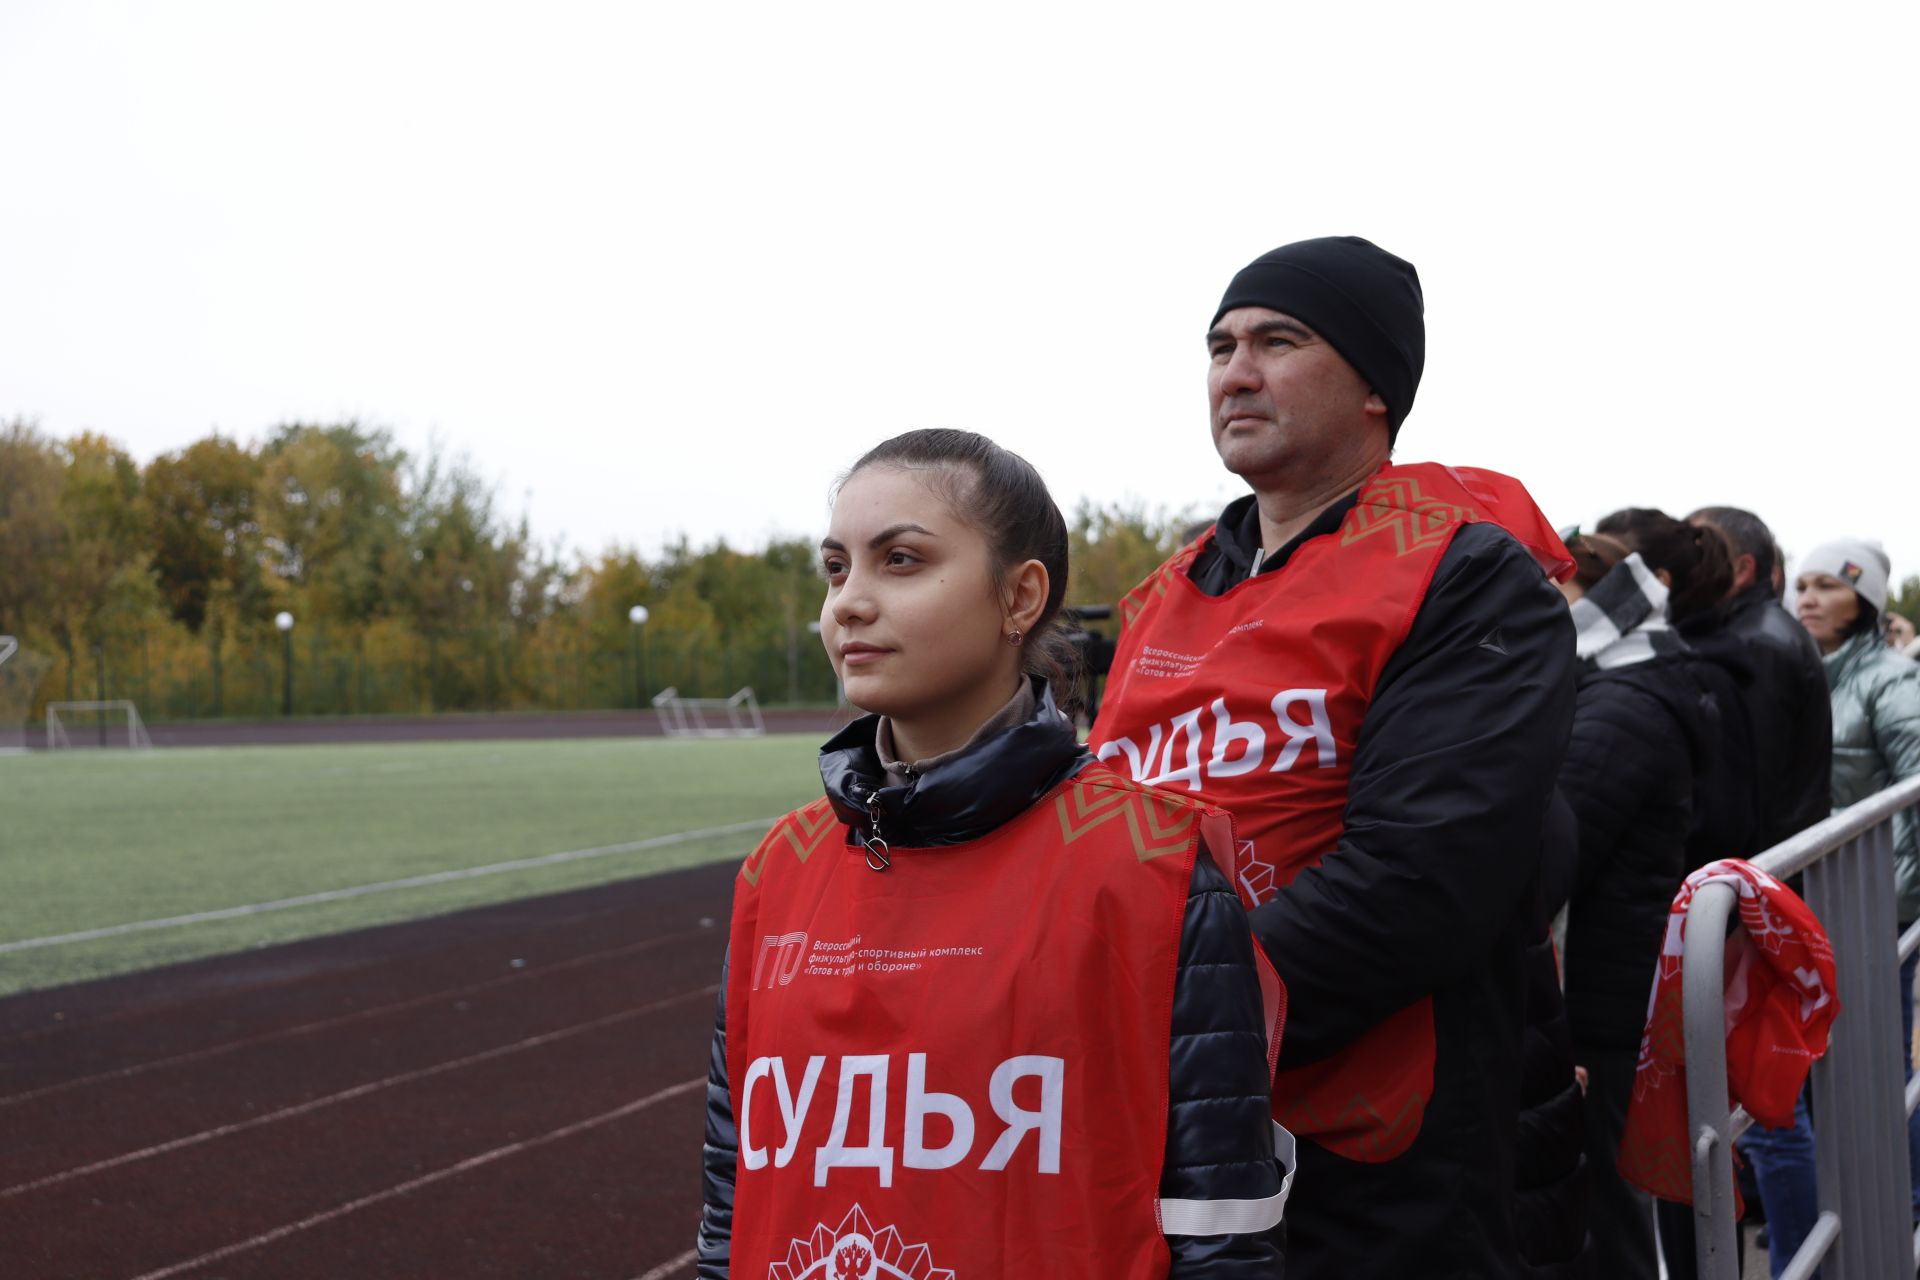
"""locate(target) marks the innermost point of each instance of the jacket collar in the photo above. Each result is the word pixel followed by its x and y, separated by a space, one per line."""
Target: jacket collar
pixel 1237 533
pixel 961 797
pixel 1849 657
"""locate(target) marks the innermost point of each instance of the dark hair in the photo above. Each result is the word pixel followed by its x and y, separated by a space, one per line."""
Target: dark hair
pixel 1748 534
pixel 1868 619
pixel 999 493
pixel 1593 555
pixel 1697 557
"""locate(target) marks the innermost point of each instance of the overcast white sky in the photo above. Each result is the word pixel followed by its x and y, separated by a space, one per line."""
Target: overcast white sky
pixel 662 268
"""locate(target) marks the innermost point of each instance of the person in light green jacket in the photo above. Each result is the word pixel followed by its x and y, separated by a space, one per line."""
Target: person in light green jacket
pixel 1842 589
pixel 1842 594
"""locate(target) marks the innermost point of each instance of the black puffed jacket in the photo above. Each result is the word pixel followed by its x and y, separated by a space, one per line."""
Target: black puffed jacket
pixel 1219 1135
pixel 1641 735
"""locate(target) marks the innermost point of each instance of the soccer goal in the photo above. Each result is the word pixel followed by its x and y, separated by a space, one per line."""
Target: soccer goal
pixel 107 714
pixel 20 673
pixel 735 717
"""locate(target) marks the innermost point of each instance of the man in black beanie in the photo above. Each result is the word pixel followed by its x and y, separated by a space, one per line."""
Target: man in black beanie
pixel 1368 665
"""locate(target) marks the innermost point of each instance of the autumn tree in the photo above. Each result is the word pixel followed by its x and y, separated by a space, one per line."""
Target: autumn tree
pixel 31 531
pixel 207 544
pixel 102 580
pixel 456 570
pixel 1113 546
pixel 329 506
pixel 205 534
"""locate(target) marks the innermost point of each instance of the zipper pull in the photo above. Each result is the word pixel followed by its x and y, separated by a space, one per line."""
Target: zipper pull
pixel 878 858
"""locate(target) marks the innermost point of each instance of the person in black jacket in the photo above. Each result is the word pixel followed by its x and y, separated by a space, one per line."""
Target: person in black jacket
pixel 1776 745
pixel 1422 901
pixel 1643 729
pixel 1550 1162
pixel 1786 700
pixel 945 569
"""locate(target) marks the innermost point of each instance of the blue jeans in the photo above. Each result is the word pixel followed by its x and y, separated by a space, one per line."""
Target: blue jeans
pixel 1782 1162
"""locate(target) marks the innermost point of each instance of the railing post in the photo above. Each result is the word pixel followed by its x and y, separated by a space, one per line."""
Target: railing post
pixel 1709 1122
pixel 1858 1088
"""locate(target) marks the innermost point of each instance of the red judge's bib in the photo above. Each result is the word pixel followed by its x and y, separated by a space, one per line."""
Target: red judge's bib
pixel 1254 700
pixel 957 1067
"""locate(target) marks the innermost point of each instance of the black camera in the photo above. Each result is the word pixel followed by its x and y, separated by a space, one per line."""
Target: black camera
pixel 1094 649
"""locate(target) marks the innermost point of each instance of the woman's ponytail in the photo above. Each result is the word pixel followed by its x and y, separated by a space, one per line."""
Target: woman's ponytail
pixel 1696 557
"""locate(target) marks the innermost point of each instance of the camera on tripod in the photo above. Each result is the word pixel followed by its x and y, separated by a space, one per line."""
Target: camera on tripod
pixel 1095 650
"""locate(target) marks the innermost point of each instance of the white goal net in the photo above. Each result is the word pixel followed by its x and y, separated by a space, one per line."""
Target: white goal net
pixel 20 673
pixel 115 722
pixel 735 717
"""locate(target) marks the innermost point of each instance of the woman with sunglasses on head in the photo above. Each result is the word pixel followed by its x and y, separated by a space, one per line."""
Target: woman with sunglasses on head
pixel 990 1009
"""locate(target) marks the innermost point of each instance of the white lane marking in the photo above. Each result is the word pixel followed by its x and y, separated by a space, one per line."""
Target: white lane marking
pixel 472 1162
pixel 386 886
pixel 347 1095
pixel 326 1024
pixel 671 1265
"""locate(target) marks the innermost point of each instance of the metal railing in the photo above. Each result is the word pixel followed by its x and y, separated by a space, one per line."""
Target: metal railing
pixel 1860 1102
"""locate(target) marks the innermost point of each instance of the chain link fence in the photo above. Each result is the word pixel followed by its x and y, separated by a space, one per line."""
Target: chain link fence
pixel 384 669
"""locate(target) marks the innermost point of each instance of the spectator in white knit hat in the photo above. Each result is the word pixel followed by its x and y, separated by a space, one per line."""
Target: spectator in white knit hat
pixel 1842 591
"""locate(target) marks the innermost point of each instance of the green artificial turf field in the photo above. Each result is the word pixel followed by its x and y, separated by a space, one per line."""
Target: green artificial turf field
pixel 96 839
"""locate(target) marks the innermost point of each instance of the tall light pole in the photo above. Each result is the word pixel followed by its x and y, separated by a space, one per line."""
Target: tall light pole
pixel 839 685
pixel 638 617
pixel 284 621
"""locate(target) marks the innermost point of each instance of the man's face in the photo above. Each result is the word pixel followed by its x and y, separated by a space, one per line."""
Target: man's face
pixel 1287 410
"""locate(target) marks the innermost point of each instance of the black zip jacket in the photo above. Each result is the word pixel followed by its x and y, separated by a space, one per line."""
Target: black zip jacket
pixel 1550 1162
pixel 1785 705
pixel 1219 1135
pixel 1641 734
pixel 1427 894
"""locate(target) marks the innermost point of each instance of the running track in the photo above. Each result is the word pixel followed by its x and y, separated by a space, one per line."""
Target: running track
pixel 507 1092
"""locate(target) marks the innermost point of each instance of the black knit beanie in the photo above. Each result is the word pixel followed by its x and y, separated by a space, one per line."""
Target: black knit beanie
pixel 1357 296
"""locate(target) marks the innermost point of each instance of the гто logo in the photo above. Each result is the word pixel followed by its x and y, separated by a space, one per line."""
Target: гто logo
pixel 855 1251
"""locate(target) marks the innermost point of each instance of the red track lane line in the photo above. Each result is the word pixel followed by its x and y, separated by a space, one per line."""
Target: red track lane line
pixel 670 1266
pixel 472 1162
pixel 326 1024
pixel 348 1095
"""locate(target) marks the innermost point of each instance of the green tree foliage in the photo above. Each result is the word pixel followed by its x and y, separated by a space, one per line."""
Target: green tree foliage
pixel 32 536
pixel 102 576
pixel 205 538
pixel 330 517
pixel 1906 601
pixel 454 565
pixel 409 589
pixel 1113 547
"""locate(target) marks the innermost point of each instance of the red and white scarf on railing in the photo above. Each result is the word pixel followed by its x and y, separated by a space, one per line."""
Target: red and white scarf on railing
pixel 1780 1004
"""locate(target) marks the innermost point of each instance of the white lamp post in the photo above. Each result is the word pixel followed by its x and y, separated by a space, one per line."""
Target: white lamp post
pixel 839 685
pixel 638 616
pixel 284 621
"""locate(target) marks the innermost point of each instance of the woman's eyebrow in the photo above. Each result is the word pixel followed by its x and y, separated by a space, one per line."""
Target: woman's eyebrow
pixel 893 531
pixel 881 538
